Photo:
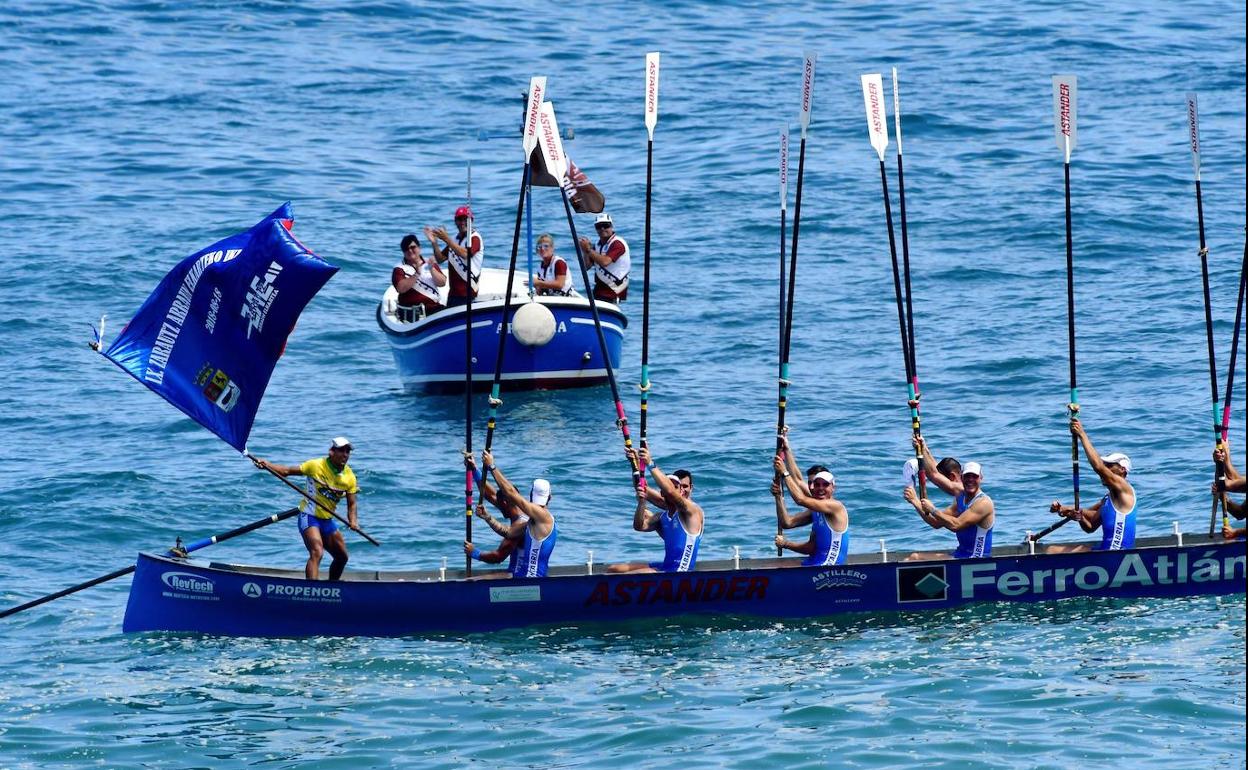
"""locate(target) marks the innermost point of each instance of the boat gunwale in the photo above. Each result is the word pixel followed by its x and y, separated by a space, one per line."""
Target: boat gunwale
pixel 1185 540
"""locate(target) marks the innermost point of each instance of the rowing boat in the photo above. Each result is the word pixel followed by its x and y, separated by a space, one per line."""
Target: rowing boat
pixel 192 595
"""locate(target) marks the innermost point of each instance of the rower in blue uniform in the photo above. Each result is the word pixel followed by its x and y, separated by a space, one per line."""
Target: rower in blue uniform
pixel 539 532
pixel 680 524
pixel 1113 514
pixel 828 518
pixel 971 517
pixel 511 530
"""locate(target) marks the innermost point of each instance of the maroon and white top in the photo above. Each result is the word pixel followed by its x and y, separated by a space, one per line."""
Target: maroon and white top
pixel 611 281
pixel 459 265
pixel 556 270
pixel 423 292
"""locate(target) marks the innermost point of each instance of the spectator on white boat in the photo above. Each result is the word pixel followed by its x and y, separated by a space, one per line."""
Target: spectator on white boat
pixel 417 280
pixel 539 531
pixel 609 259
pixel 329 480
pixel 828 518
pixel 1113 514
pixel 971 516
pixel 465 253
pixel 680 524
pixel 552 277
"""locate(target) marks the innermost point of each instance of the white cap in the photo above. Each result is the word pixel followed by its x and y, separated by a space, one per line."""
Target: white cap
pixel 973 469
pixel 603 218
pixel 1117 458
pixel 910 471
pixel 672 477
pixel 341 442
pixel 539 492
pixel 825 475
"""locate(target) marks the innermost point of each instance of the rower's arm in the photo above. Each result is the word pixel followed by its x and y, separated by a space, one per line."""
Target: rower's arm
pixel 642 520
pixel 783 519
pixel 972 517
pixel 942 482
pixel 353 518
pixel 806 548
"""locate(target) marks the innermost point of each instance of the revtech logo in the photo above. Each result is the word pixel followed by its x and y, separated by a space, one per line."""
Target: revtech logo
pixel 184 581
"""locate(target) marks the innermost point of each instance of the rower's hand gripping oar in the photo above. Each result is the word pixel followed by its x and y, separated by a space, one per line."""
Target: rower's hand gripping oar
pixel 557 164
pixel 264 466
pixel 808 92
pixel 1065 125
pixel 180 551
pixel 651 119
pixel 877 130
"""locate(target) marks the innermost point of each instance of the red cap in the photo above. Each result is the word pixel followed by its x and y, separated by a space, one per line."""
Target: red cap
pixel 464 211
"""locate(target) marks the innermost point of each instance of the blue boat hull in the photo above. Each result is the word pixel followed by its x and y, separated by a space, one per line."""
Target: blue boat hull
pixel 430 356
pixel 169 594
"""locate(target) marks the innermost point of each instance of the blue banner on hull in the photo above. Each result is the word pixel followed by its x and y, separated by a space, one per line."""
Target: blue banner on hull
pixel 208 337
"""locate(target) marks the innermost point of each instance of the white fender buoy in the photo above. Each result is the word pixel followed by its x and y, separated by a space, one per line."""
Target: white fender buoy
pixel 533 324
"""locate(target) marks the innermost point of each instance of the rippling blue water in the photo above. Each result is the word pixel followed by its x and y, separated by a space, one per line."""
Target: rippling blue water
pixel 134 133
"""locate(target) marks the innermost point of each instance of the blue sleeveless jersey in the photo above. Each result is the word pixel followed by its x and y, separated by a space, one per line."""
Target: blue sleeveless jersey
pixel 533 555
pixel 1117 528
pixel 680 549
pixel 831 547
pixel 973 542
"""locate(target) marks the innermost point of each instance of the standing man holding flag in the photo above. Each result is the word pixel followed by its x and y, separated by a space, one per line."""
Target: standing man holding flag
pixel 329 480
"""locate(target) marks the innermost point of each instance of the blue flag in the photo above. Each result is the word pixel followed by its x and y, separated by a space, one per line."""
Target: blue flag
pixel 208 337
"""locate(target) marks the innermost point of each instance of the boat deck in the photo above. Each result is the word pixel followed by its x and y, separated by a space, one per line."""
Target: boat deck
pixel 713 565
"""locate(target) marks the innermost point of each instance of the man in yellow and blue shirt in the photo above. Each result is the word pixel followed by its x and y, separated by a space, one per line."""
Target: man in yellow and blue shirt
pixel 329 479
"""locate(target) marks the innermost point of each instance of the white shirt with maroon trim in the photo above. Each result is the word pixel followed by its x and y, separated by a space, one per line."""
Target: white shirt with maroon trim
pixel 459 265
pixel 614 275
pixel 551 273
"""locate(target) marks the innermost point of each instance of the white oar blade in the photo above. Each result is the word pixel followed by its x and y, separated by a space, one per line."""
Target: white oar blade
pixel 552 145
pixel 1065 113
pixel 537 94
pixel 1193 128
pixel 877 122
pixel 652 92
pixel 808 89
pixel 784 168
pixel 897 111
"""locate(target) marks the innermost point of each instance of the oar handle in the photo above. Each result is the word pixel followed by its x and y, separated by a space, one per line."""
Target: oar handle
pixel 310 498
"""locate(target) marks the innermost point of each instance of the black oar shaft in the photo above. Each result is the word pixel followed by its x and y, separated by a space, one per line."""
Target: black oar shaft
pixel 468 479
pixel 1219 474
pixel 1070 335
pixel 787 336
pixel 1230 371
pixel 621 419
pixel 907 338
pixel 198 544
pixel 504 329
pixel 1070 328
pixel 645 307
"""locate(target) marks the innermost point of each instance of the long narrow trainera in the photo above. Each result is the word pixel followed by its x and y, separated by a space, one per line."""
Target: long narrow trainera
pixel 171 594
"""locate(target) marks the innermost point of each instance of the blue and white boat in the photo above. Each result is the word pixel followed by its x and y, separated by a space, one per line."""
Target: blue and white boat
pixel 429 352
pixel 191 595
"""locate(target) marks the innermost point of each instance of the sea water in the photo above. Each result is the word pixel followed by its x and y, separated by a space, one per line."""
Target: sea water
pixel 133 133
